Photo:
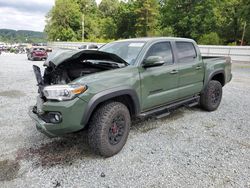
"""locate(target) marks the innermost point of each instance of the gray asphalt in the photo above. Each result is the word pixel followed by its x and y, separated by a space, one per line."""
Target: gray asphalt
pixel 190 148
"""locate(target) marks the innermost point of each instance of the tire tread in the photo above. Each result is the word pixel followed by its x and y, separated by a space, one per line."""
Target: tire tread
pixel 102 115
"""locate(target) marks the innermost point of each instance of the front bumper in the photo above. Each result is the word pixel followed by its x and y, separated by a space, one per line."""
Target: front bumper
pixel 40 124
pixel 71 111
pixel 39 57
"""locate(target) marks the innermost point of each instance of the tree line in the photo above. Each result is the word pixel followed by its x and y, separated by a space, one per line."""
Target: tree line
pixel 206 21
pixel 21 36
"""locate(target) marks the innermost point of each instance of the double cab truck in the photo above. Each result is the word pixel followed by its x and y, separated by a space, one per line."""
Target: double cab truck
pixel 101 90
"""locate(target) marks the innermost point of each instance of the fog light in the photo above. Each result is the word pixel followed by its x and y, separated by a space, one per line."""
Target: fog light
pixel 55 117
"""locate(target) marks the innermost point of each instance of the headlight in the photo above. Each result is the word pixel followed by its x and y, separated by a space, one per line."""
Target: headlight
pixel 63 92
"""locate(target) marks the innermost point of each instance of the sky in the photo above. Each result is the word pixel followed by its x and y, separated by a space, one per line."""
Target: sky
pixel 24 14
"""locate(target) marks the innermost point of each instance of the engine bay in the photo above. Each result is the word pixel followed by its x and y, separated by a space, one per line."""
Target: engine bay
pixel 69 71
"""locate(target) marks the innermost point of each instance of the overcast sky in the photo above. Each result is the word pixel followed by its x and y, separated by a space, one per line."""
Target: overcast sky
pixel 24 14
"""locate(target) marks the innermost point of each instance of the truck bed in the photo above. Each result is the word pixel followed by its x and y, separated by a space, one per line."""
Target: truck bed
pixel 221 63
pixel 208 59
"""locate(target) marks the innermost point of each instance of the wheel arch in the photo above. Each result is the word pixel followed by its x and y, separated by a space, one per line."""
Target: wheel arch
pixel 127 96
pixel 218 75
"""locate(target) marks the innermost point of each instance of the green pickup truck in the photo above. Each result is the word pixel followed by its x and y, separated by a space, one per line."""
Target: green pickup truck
pixel 101 90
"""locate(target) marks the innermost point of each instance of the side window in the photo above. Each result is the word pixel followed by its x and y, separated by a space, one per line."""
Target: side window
pixel 186 52
pixel 163 50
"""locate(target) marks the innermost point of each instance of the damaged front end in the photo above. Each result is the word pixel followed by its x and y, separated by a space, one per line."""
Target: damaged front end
pixel 58 107
pixel 64 67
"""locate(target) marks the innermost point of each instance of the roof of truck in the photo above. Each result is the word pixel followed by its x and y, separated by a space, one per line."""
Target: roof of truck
pixel 150 39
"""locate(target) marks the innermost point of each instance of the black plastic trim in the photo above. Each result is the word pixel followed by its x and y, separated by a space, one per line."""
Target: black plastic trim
pixel 109 94
pixel 170 106
pixel 212 75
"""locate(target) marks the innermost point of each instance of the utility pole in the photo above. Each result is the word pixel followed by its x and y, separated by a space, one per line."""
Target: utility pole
pixel 243 34
pixel 83 25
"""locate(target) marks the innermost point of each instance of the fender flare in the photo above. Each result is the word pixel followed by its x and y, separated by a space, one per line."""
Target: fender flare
pixel 106 95
pixel 211 75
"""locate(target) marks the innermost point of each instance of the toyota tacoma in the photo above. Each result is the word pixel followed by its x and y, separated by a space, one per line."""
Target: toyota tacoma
pixel 102 90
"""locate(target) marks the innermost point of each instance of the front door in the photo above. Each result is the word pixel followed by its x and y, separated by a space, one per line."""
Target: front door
pixel 159 84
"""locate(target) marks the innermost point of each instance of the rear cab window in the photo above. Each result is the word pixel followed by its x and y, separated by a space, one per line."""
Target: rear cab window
pixel 186 52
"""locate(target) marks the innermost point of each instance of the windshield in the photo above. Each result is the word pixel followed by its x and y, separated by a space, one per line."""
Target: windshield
pixel 38 49
pixel 128 51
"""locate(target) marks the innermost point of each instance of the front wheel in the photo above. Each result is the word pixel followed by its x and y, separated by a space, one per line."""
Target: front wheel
pixel 109 128
pixel 211 98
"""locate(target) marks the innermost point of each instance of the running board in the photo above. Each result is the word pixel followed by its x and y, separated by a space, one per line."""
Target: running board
pixel 193 104
pixel 165 110
pixel 163 115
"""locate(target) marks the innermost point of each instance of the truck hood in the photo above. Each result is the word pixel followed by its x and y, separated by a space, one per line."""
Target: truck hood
pixel 60 56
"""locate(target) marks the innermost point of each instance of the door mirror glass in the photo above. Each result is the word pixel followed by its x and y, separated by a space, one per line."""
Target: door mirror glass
pixel 153 61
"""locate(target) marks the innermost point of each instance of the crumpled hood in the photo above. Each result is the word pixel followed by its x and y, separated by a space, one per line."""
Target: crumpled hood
pixel 60 56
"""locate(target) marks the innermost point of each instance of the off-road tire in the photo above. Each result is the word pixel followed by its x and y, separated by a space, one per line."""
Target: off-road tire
pixel 102 123
pixel 211 97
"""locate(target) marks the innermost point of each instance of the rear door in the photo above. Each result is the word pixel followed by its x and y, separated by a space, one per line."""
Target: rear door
pixel 159 84
pixel 191 69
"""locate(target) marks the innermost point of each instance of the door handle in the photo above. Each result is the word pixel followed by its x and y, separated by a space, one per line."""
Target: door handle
pixel 174 72
pixel 198 67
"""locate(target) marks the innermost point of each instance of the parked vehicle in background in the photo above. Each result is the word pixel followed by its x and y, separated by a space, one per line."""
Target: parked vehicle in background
pixel 102 89
pixel 48 49
pixel 37 53
pixel 45 45
pixel 88 47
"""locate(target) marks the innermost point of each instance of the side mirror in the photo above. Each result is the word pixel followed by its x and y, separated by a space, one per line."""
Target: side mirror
pixel 153 61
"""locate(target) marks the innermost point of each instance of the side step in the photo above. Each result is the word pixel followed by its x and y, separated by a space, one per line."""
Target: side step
pixel 163 115
pixel 166 110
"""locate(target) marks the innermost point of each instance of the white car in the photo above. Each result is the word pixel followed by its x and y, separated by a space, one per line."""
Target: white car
pixel 90 46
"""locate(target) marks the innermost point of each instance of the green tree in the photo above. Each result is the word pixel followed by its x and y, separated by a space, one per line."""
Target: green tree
pixel 207 21
pixel 64 21
pixel 231 20
pixel 246 15
pixel 166 31
pixel 87 6
pixel 209 39
pixel 92 27
pixel 108 28
pixel 147 14
pixel 189 18
pixel 126 20
pixel 245 8
pixel 109 8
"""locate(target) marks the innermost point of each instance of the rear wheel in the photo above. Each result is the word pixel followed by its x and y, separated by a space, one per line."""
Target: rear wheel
pixel 211 98
pixel 109 128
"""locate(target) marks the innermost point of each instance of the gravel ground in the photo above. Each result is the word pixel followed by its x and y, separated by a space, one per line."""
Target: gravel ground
pixel 190 148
